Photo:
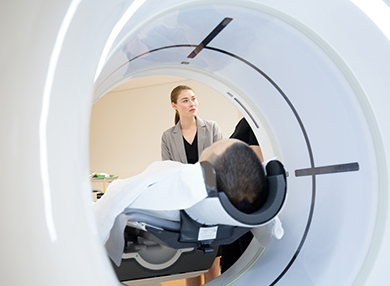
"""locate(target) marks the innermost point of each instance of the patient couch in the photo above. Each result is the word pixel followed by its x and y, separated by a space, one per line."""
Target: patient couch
pixel 156 247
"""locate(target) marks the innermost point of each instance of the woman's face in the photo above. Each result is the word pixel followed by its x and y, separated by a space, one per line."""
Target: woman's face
pixel 187 104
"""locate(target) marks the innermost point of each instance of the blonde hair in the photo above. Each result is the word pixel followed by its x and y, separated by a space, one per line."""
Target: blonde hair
pixel 175 95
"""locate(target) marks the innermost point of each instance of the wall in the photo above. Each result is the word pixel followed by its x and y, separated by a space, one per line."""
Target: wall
pixel 127 123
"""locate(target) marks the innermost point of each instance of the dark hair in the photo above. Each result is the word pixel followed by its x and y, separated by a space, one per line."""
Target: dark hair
pixel 175 95
pixel 241 176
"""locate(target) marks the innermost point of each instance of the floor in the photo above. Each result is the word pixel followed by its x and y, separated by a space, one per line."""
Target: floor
pixel 181 282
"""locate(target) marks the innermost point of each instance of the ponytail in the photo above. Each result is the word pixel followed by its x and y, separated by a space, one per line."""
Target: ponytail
pixel 177 117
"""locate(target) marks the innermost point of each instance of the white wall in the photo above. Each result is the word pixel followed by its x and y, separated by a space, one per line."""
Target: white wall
pixel 127 123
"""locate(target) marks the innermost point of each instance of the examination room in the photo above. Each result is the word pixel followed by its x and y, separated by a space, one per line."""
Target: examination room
pixel 88 123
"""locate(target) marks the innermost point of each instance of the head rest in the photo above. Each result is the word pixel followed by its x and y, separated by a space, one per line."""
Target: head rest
pixel 276 178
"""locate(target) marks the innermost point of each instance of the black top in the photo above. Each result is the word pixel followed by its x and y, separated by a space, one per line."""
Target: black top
pixel 244 133
pixel 192 150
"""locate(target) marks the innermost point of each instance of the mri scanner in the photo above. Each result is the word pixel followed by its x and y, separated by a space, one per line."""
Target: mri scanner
pixel 314 75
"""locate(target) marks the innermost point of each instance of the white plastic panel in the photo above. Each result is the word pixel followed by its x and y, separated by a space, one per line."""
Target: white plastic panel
pixel 279 71
pixel 312 76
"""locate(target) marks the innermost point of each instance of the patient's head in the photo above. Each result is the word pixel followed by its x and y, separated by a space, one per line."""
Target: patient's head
pixel 240 173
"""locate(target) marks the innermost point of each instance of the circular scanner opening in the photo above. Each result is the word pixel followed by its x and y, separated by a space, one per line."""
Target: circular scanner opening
pixel 128 121
pixel 318 126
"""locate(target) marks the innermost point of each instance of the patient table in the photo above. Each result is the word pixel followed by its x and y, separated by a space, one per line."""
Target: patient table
pixel 155 246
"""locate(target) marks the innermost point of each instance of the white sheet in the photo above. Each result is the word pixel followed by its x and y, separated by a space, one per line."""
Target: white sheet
pixel 164 186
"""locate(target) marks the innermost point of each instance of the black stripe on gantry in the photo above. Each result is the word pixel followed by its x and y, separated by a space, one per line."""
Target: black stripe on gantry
pixel 341 168
pixel 246 110
pixel 210 37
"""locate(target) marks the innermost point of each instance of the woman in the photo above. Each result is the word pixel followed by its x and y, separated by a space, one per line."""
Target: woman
pixel 185 141
pixel 190 135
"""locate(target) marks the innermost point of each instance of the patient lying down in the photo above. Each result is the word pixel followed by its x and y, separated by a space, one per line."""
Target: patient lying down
pixel 167 187
pixel 239 171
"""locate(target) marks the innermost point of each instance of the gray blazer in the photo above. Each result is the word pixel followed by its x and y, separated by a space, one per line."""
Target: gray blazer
pixel 172 145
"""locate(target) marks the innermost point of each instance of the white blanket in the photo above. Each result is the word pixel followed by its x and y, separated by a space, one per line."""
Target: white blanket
pixel 165 186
